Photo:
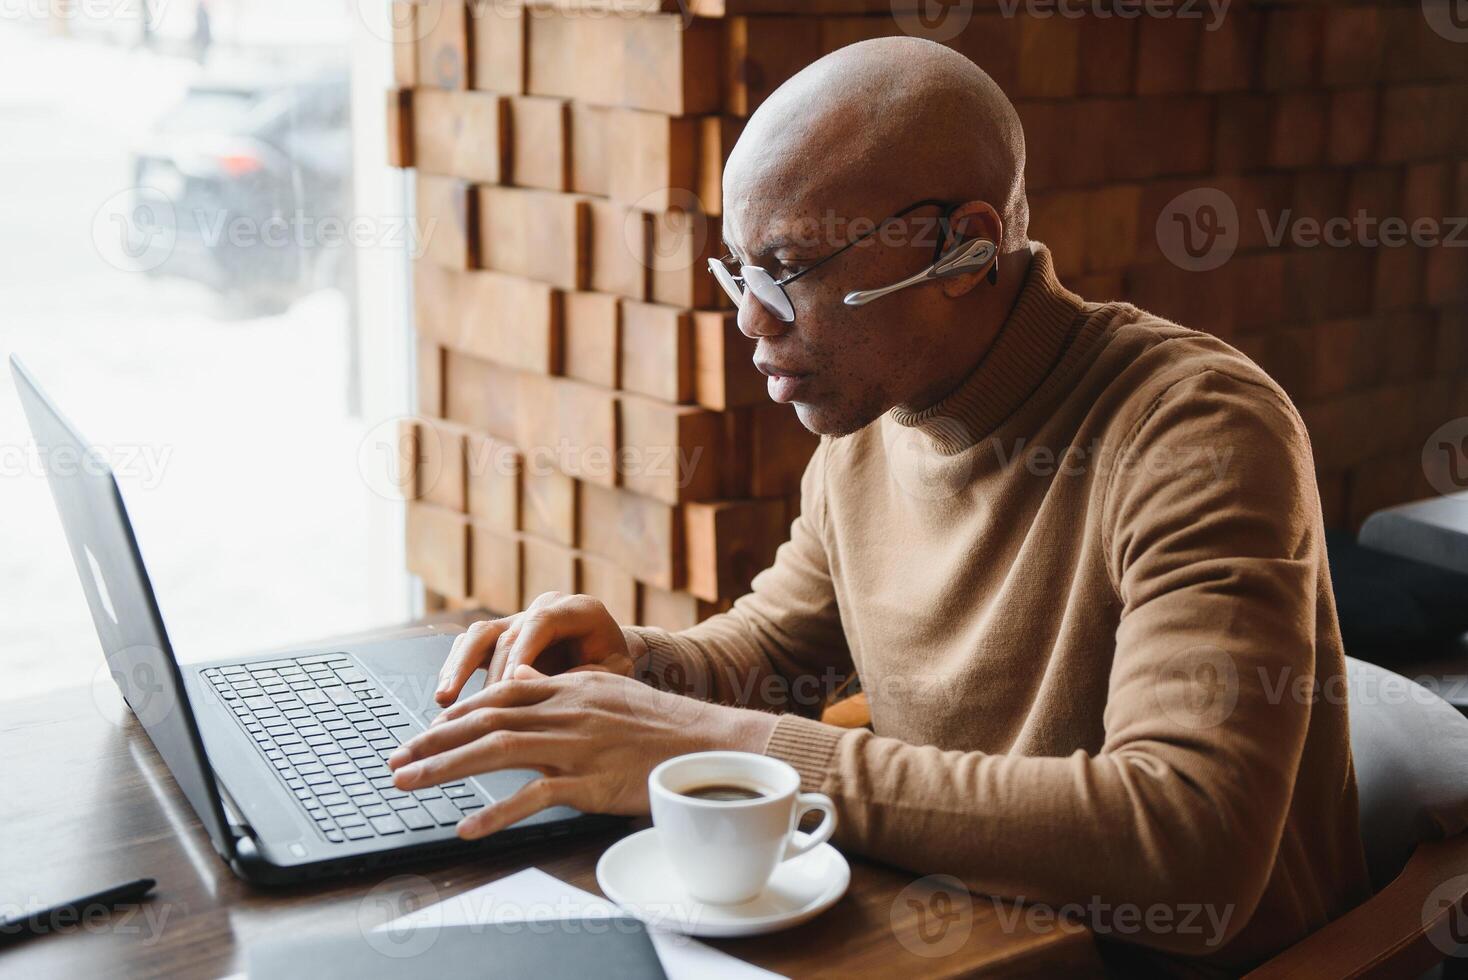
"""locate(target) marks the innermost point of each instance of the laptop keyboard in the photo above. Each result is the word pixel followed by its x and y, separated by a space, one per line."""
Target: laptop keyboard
pixel 327 730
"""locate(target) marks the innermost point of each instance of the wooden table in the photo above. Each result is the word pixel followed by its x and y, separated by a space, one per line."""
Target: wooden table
pixel 87 802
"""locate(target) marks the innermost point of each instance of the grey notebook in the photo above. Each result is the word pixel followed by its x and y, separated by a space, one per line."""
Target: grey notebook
pixel 604 948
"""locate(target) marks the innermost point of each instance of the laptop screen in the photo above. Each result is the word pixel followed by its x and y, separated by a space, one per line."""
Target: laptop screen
pixel 120 596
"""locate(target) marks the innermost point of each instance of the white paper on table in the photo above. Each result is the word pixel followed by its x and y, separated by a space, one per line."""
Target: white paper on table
pixel 534 896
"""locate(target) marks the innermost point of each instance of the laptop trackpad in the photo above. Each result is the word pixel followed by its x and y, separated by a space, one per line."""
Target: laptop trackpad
pixel 408 670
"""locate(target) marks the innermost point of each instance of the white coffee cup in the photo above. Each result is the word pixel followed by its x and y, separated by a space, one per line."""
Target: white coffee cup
pixel 726 850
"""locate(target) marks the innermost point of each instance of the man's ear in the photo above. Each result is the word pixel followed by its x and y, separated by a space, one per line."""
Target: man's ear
pixel 975 219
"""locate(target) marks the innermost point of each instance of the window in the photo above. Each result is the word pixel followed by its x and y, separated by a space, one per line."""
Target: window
pixel 179 271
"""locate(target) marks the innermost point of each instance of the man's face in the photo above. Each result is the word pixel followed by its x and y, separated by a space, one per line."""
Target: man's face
pixel 841 366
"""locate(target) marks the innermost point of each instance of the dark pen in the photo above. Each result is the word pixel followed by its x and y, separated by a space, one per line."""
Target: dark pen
pixel 71 913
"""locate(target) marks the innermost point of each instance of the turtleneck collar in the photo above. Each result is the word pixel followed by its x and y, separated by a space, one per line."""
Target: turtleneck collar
pixel 1026 351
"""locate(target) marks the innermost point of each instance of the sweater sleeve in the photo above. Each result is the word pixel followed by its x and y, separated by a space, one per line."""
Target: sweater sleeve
pixel 781 646
pixel 1187 798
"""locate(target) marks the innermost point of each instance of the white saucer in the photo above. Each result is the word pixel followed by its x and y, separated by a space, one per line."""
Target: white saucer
pixel 635 874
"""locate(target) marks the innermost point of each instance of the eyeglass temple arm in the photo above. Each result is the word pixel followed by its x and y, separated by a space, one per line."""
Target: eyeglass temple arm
pixel 925 203
pixel 971 256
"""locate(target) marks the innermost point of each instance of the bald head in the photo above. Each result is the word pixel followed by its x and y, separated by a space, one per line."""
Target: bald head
pixel 861 134
pixel 887 120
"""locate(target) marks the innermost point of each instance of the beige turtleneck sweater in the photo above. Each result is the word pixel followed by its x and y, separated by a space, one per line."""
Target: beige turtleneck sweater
pixel 1087 596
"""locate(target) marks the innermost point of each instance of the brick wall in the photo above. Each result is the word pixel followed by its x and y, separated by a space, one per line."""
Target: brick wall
pixel 589 419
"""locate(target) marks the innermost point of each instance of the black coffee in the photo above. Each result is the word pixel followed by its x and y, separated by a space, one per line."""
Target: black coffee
pixel 724 792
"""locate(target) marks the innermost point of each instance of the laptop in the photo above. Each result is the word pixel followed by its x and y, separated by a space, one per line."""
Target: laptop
pixel 283 756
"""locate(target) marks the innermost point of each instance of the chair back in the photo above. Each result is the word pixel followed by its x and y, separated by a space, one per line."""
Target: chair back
pixel 1410 749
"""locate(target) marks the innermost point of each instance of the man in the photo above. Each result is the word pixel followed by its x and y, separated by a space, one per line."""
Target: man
pixel 1074 553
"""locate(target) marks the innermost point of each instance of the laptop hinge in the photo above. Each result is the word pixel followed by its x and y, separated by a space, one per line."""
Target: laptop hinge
pixel 239 827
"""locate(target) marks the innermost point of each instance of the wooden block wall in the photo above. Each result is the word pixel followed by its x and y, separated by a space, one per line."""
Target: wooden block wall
pixel 587 404
pixel 573 351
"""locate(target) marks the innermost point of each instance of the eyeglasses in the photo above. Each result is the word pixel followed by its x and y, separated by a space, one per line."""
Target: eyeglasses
pixel 969 256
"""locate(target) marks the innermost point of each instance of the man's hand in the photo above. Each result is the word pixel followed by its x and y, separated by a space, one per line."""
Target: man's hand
pixel 564 632
pixel 594 736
